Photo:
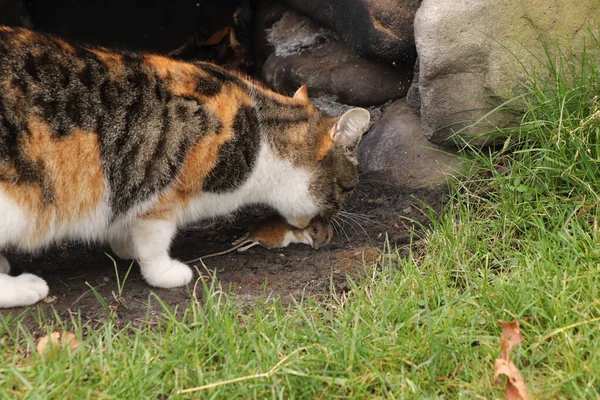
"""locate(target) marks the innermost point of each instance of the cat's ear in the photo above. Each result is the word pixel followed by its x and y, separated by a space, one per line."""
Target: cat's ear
pixel 349 129
pixel 301 94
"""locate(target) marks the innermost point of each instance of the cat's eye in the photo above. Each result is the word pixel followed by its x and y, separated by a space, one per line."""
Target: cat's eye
pixel 315 230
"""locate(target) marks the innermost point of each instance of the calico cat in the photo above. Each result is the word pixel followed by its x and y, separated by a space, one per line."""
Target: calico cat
pixel 98 145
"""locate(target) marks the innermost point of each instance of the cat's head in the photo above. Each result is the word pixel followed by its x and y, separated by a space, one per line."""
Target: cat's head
pixel 331 158
pixel 335 174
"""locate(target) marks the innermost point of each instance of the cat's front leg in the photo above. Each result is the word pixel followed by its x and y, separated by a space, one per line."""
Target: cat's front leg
pixel 122 246
pixel 22 290
pixel 4 265
pixel 151 242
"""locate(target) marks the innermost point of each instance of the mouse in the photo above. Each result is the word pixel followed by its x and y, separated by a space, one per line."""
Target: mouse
pixel 274 232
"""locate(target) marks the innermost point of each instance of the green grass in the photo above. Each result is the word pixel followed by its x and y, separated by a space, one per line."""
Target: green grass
pixel 518 240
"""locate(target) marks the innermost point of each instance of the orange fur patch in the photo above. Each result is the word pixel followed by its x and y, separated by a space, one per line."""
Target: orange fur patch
pixel 66 46
pixel 169 203
pixel 183 82
pixel 226 106
pixel 72 170
pixel 166 66
pixel 21 35
pixel 203 157
pixel 198 164
pixel 112 60
pixel 325 145
pixel 301 94
pixel 184 87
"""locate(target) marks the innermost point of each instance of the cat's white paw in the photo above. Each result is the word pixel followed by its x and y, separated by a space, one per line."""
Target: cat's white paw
pixel 168 274
pixel 22 290
pixel 4 265
pixel 123 248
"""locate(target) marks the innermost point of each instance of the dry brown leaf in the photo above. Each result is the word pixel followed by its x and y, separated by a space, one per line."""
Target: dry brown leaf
pixel 218 36
pixel 233 41
pixel 511 336
pixel 515 384
pixel 56 341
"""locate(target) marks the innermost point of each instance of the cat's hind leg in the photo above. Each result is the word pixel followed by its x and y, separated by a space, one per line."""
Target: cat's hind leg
pixel 151 242
pixel 22 290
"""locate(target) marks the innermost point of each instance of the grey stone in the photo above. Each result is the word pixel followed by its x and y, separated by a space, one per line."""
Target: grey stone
pixel 471 54
pixel 308 54
pixel 380 29
pixel 413 97
pixel 295 33
pixel 396 145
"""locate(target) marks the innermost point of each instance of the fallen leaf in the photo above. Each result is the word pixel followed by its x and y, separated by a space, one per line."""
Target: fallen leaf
pixel 229 47
pixel 511 336
pixel 515 384
pixel 218 36
pixel 49 299
pixel 56 341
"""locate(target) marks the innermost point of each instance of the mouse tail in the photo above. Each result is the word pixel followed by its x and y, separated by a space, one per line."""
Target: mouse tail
pixel 241 240
pixel 244 247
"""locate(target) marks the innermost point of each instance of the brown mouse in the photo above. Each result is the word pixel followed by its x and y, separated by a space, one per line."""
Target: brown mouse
pixel 274 232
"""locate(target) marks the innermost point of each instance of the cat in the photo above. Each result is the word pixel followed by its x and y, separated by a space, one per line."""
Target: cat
pixel 122 147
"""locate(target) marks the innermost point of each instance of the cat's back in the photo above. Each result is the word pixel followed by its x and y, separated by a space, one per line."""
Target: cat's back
pixel 142 112
pixel 89 134
pixel 73 86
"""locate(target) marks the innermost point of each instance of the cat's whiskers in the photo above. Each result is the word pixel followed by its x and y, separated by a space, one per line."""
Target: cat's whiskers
pixel 351 220
pixel 365 218
pixel 370 187
pixel 378 181
pixel 361 192
pixel 350 223
pixel 336 221
pixel 335 229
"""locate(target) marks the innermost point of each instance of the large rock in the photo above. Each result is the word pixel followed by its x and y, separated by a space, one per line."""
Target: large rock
pixel 396 146
pixel 375 29
pixel 309 54
pixel 470 53
pixel 413 97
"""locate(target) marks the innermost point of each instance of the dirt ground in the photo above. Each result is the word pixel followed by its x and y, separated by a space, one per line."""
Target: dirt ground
pixel 380 209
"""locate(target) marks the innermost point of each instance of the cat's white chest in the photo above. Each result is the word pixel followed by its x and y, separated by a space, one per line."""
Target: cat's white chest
pixel 273 182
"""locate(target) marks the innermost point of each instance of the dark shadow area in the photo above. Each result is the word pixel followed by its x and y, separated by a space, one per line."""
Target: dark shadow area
pixel 157 26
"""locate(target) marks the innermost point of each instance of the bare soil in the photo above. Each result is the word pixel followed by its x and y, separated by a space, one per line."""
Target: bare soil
pixel 381 211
